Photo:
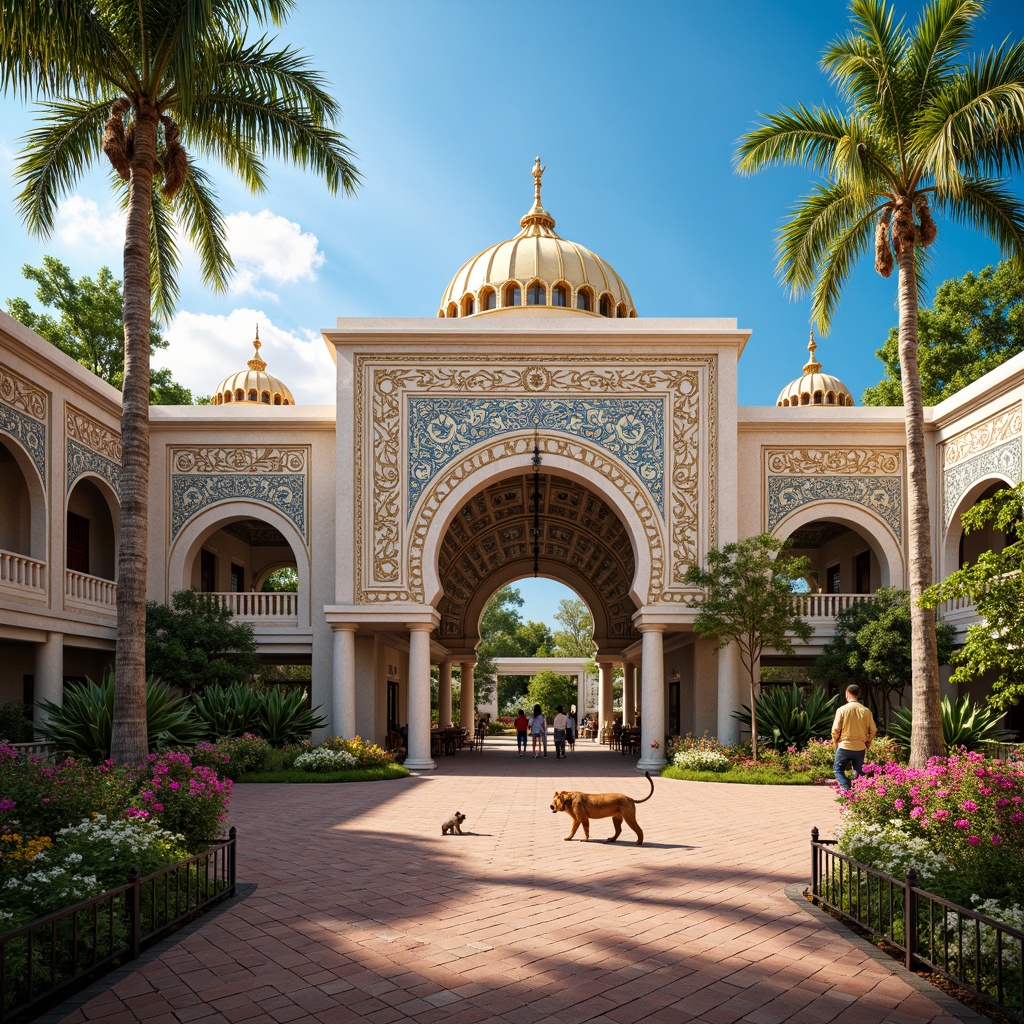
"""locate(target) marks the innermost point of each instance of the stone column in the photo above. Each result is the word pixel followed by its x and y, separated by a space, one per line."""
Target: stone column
pixel 581 697
pixel 467 700
pixel 49 673
pixel 628 693
pixel 652 684
pixel 444 694
pixel 732 692
pixel 418 756
pixel 605 697
pixel 343 683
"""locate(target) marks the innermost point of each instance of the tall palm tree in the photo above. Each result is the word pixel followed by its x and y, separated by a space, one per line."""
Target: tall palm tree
pixel 131 79
pixel 925 128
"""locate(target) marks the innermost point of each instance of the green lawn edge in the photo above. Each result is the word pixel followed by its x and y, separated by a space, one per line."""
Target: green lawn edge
pixel 761 777
pixel 384 774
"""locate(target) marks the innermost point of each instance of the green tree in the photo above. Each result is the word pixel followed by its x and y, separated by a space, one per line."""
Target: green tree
pixel 576 637
pixel 503 634
pixel 193 643
pixel 90 325
pixel 549 690
pixel 748 601
pixel 995 583
pixel 281 581
pixel 922 130
pixel 135 82
pixel 871 647
pixel 975 324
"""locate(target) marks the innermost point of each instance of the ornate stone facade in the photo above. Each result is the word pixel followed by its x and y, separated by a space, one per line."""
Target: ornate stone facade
pixel 799 476
pixel 203 476
pixel 23 411
pixel 91 448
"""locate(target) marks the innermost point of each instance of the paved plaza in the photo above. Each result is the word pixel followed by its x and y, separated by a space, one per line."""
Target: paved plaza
pixel 364 912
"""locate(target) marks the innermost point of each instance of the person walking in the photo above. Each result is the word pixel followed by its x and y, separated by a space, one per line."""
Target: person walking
pixel 522 724
pixel 560 722
pixel 570 729
pixel 538 730
pixel 852 732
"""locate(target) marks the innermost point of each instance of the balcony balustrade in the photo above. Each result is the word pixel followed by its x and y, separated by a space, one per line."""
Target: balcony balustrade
pixel 82 589
pixel 22 573
pixel 274 608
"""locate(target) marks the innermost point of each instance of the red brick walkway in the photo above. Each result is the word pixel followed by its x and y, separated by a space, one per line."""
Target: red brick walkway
pixel 365 912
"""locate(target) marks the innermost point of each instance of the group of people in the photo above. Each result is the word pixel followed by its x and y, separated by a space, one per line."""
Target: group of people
pixel 536 726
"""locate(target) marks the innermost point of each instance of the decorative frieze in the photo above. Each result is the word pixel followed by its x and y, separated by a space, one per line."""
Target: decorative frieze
pixel 869 477
pixel 1002 461
pixel 23 410
pixel 203 476
pixel 993 432
pixel 19 394
pixel 88 432
pixel 82 460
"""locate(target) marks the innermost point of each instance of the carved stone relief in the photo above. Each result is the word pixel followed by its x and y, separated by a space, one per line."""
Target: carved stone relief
pixel 23 409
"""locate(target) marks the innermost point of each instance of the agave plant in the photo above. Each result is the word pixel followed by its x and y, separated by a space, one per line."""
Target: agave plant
pixel 83 725
pixel 964 724
pixel 786 719
pixel 228 711
pixel 285 718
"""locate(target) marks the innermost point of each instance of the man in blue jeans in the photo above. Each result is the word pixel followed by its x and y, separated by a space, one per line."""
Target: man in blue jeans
pixel 852 733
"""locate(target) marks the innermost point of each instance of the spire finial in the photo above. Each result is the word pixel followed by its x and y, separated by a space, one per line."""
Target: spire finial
pixel 538 217
pixel 256 363
pixel 538 173
pixel 812 365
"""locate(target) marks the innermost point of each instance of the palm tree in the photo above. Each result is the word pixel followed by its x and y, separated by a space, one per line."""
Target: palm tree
pixel 923 130
pixel 130 79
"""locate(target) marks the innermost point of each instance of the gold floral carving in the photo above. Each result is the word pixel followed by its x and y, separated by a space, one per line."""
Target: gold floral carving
pixel 834 461
pixel 93 435
pixel 225 459
pixel 18 393
pixel 689 385
pixel 1002 427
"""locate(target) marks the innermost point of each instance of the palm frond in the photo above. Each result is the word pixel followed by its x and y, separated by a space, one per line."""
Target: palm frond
pixel 209 136
pixel 163 258
pixel 846 248
pixel 57 151
pixel 941 32
pixel 988 206
pixel 204 226
pixel 795 136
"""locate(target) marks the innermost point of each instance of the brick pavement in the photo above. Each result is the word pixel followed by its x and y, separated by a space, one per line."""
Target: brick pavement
pixel 364 912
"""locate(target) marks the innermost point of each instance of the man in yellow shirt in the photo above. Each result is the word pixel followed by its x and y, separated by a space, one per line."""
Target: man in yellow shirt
pixel 852 733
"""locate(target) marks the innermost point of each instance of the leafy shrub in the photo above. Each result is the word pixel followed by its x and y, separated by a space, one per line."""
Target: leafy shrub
pixel 248 753
pixel 964 724
pixel 323 759
pixel 368 755
pixel 702 761
pixel 228 711
pixel 83 726
pixel 785 718
pixel 16 722
pixel 284 717
pixel 209 755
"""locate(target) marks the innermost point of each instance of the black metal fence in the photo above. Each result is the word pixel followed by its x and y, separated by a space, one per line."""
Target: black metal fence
pixel 979 954
pixel 50 957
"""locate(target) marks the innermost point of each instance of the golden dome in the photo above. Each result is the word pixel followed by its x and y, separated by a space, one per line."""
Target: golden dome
pixel 537 271
pixel 815 387
pixel 253 386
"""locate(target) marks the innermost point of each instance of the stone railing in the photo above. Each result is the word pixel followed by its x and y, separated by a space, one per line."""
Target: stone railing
pixel 258 606
pixel 22 572
pixel 826 606
pixel 82 588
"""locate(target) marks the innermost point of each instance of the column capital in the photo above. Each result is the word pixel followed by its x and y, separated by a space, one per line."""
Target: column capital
pixel 419 627
pixel 344 627
pixel 651 627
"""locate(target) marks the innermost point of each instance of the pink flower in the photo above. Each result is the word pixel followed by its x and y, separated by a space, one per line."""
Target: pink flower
pixel 898 804
pixel 917 812
pixel 974 840
pixel 996 840
pixel 654 744
pixel 940 815
pixel 961 823
pixel 969 805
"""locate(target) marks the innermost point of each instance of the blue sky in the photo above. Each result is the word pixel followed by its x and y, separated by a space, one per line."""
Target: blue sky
pixel 634 110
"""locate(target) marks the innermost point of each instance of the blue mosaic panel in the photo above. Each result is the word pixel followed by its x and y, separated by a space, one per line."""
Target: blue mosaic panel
pixel 1004 460
pixel 29 433
pixel 192 492
pixel 81 459
pixel 879 495
pixel 632 429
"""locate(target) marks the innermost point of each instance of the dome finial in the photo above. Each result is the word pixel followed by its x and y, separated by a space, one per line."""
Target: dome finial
pixel 812 365
pixel 538 217
pixel 256 363
pixel 538 173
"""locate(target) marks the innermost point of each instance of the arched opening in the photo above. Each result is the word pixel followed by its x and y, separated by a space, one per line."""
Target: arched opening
pixel 468 305
pixel 961 547
pixel 488 299
pixel 536 294
pixel 512 295
pixel 15 505
pixel 606 306
pixel 585 300
pixel 90 539
pixel 559 295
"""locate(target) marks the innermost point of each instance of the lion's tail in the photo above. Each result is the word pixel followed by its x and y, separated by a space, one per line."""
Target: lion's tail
pixel 649 795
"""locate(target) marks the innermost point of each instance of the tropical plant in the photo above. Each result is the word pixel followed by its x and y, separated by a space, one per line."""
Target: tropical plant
pixel 16 722
pixel 284 717
pixel 134 81
pixel 748 600
pixel 229 711
pixel 787 718
pixel 922 130
pixel 964 724
pixel 83 725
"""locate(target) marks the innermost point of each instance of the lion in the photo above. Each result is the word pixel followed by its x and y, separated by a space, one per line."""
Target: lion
pixel 581 807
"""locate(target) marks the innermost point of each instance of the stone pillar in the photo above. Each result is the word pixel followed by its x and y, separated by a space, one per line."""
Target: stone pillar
pixel 581 697
pixel 467 700
pixel 628 693
pixel 418 755
pixel 444 694
pixel 652 684
pixel 343 683
pixel 605 697
pixel 49 673
pixel 732 692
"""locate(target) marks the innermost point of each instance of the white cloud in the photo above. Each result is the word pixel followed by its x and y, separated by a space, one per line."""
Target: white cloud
pixel 203 349
pixel 269 248
pixel 81 222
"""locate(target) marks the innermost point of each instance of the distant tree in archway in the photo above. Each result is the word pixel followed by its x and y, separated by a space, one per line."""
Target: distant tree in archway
pixel 504 634
pixel 193 643
pixel 281 581
pixel 549 690
pixel 576 637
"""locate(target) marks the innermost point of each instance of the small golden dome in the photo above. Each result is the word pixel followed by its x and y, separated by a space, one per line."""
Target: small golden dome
pixel 815 387
pixel 253 386
pixel 537 271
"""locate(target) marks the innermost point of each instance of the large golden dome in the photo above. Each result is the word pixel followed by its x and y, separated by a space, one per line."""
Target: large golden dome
pixel 537 271
pixel 253 386
pixel 815 387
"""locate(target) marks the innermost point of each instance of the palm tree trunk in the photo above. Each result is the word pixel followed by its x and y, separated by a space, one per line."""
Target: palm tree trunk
pixel 926 729
pixel 130 741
